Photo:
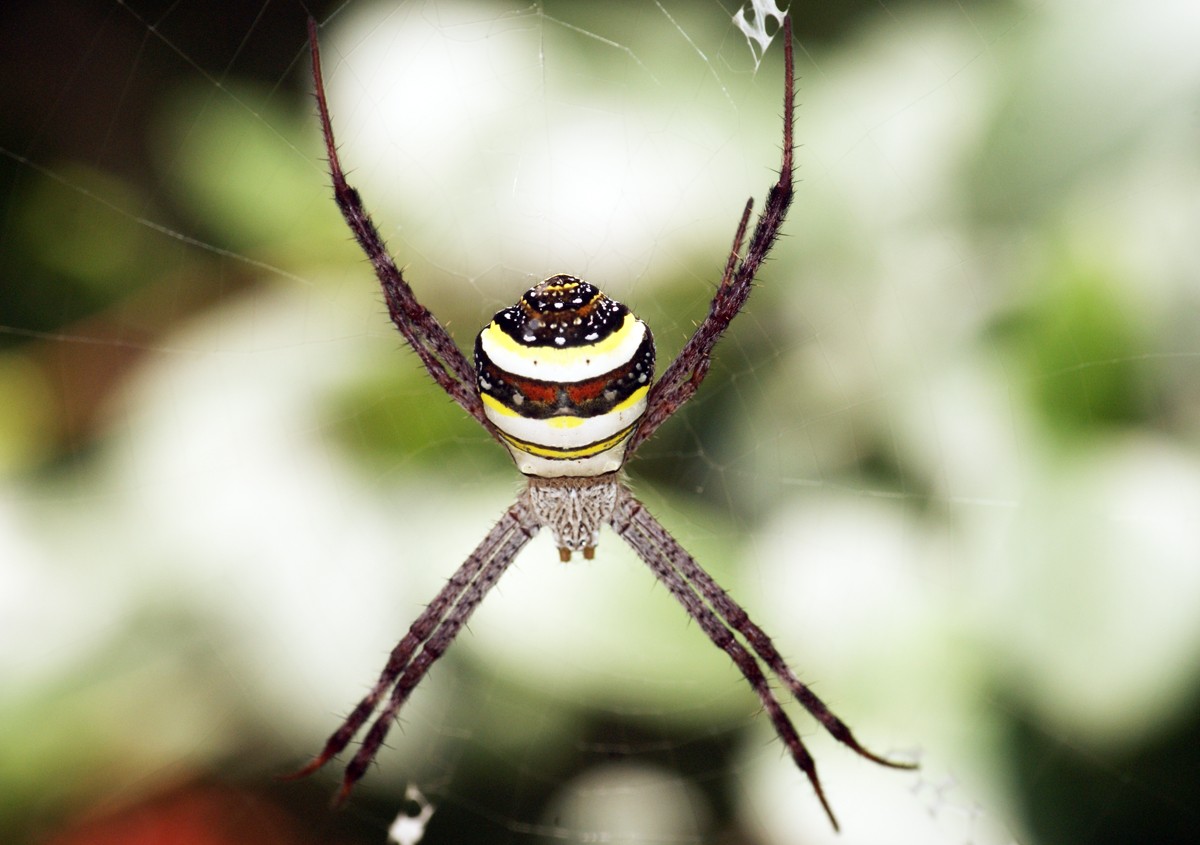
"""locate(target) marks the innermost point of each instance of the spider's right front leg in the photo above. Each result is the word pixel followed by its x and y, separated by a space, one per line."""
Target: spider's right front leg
pixel 426 641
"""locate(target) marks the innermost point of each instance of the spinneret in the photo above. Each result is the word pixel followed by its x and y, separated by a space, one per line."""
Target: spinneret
pixel 563 375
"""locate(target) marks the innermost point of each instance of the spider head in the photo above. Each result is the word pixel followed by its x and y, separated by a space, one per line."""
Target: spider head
pixel 563 375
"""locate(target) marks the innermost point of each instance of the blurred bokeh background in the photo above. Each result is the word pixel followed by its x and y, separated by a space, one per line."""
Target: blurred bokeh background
pixel 948 456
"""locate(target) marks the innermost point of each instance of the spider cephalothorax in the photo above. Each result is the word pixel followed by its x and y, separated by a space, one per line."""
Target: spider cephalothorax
pixel 564 380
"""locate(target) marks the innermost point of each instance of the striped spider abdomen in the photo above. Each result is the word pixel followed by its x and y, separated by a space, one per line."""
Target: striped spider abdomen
pixel 563 375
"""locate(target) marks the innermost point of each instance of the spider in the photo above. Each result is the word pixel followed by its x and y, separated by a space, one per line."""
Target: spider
pixel 564 380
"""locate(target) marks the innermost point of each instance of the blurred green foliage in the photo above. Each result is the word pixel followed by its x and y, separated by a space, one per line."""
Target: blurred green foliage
pixel 1078 341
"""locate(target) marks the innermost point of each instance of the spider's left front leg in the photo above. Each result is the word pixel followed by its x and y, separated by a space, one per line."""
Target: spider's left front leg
pixel 634 524
pixel 737 619
pixel 721 618
pixel 439 353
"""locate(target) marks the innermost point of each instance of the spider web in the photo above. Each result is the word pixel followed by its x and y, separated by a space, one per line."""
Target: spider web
pixel 946 457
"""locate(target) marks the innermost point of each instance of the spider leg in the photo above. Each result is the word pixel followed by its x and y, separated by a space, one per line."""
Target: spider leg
pixel 495 558
pixel 428 337
pixel 739 238
pixel 737 619
pixel 474 576
pixel 634 524
pixel 681 379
